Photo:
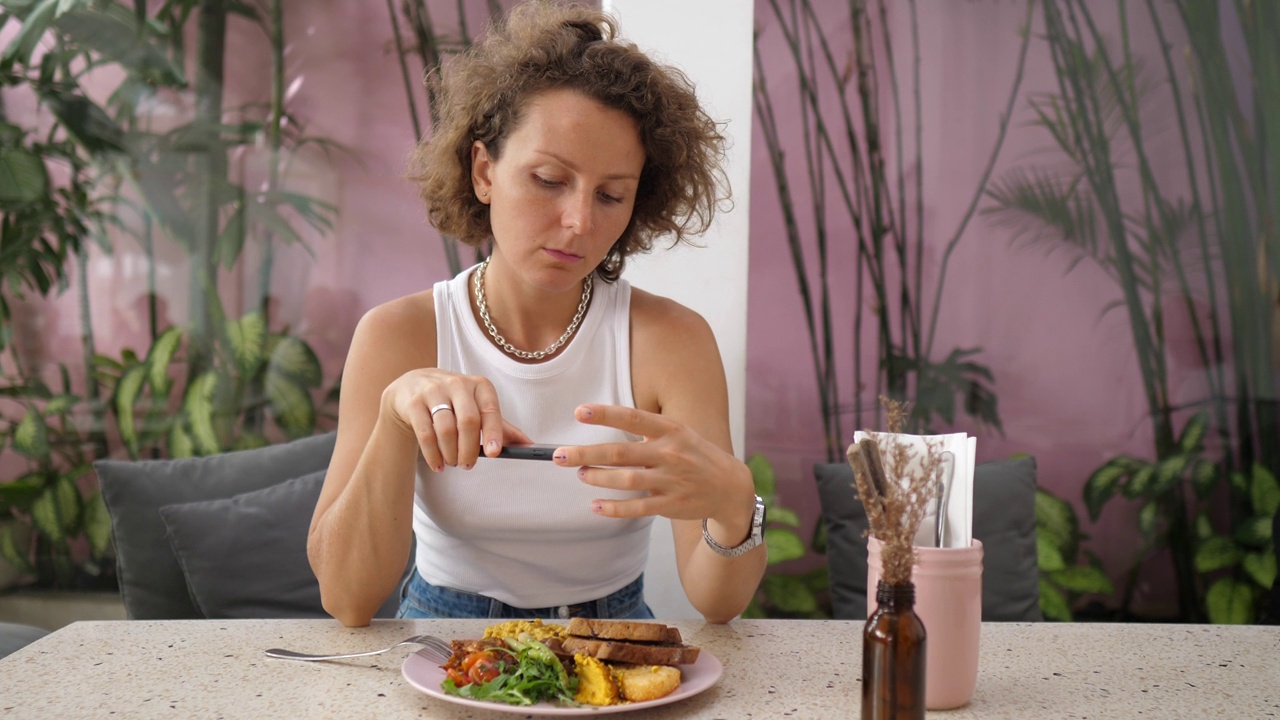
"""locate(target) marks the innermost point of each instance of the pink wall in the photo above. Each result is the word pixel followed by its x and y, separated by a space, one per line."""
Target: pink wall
pixel 1068 383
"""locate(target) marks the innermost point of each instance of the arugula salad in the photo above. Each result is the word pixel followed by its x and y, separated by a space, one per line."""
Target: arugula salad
pixel 523 672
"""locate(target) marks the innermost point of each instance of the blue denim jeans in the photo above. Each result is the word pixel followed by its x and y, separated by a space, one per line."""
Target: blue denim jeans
pixel 422 600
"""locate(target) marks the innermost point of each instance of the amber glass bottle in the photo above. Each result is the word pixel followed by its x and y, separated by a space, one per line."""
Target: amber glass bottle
pixel 893 645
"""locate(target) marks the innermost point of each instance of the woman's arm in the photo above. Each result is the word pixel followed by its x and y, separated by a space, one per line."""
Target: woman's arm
pixel 687 457
pixel 361 531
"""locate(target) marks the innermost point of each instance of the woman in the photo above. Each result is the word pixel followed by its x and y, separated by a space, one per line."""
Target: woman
pixel 568 150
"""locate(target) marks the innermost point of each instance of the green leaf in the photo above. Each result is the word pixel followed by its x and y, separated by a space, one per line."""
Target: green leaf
pixel 1229 602
pixel 292 405
pixel 1149 518
pixel 295 359
pixel 1083 579
pixel 1262 568
pixel 87 123
pixel 127 391
pixel 1168 472
pixel 783 545
pixel 1053 604
pixel 97 524
pixel 23 179
pixel 180 443
pixel 14 550
pixel 1203 526
pixel 31 436
pixel 1057 519
pixel 1102 485
pixel 789 594
pixel 55 510
pixel 111 33
pixel 250 441
pixel 784 516
pixel 1240 482
pixel 70 504
pixel 33 28
pixel 248 337
pixel 1204 478
pixel 1216 553
pixel 1193 433
pixel 159 357
pixel 20 493
pixel 762 475
pixel 59 405
pixel 1048 556
pixel 1140 483
pixel 1264 492
pixel 199 409
pixel 1254 532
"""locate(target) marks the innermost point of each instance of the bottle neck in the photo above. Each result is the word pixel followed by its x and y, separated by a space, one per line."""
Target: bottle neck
pixel 896 597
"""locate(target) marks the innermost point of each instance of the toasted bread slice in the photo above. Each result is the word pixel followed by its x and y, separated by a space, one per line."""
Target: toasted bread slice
pixel 628 630
pixel 631 652
pixel 639 683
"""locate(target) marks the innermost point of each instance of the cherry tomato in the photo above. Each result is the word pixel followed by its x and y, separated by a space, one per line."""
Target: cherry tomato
pixel 483 669
pixel 459 679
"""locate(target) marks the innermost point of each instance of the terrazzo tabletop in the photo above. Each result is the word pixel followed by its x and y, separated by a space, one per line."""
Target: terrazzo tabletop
pixel 772 669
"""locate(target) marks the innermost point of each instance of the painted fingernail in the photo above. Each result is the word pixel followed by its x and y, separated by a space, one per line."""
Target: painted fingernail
pixel 559 457
pixel 582 473
pixel 597 507
pixel 468 466
pixel 437 468
pixel 492 445
pixel 586 413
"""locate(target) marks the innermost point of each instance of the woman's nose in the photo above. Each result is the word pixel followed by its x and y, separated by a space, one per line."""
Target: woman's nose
pixel 579 213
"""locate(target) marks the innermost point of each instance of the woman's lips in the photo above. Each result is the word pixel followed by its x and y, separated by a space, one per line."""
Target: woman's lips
pixel 562 256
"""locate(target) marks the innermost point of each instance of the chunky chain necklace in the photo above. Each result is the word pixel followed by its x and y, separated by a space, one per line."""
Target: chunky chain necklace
pixel 510 349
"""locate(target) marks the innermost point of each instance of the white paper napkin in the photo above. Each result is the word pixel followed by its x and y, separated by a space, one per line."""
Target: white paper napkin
pixel 958 530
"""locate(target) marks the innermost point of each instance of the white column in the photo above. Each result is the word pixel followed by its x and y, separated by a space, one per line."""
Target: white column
pixel 710 40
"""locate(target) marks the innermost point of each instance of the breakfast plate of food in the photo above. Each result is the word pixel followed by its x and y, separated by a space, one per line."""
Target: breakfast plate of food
pixel 587 667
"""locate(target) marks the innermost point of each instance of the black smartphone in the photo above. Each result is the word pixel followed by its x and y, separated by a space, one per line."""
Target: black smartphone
pixel 528 452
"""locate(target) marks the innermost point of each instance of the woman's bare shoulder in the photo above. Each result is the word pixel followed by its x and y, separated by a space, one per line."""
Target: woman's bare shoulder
pixel 403 327
pixel 673 352
pixel 654 317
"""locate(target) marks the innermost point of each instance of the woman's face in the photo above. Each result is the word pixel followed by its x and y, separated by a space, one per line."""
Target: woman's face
pixel 563 191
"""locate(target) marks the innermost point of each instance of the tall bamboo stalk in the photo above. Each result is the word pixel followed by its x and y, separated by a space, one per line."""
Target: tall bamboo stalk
pixel 210 168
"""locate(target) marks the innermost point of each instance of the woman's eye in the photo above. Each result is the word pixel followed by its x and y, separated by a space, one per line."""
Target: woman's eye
pixel 610 198
pixel 545 182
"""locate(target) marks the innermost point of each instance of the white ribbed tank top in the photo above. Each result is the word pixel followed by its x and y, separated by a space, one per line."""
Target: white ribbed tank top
pixel 522 531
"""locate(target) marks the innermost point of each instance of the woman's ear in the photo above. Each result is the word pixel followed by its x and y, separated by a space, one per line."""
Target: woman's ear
pixel 481 171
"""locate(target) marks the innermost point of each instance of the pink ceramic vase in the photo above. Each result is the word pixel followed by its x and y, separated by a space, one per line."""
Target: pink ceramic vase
pixel 948 584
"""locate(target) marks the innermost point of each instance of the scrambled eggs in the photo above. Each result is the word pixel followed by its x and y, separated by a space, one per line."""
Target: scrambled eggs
pixel 536 628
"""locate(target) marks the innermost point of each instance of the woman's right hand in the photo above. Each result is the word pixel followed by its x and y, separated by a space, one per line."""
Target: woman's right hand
pixel 452 416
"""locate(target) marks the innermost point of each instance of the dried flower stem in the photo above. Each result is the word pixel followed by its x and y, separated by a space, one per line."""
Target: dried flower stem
pixel 895 514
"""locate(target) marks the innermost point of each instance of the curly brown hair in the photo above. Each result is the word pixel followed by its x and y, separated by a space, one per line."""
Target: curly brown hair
pixel 546 44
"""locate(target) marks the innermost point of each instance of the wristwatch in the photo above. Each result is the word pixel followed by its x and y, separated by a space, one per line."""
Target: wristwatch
pixel 753 539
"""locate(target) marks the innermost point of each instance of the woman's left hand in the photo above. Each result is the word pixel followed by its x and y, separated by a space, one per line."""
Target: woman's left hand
pixel 686 476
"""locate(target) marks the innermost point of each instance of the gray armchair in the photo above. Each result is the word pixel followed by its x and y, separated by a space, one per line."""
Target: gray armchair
pixel 222 536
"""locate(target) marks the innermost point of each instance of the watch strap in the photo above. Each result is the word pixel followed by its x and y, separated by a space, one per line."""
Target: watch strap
pixel 754 538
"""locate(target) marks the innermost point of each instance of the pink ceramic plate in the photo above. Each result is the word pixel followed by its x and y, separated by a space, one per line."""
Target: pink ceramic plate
pixel 426 676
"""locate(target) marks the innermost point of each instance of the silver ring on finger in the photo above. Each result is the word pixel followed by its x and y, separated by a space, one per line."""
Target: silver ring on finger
pixel 442 406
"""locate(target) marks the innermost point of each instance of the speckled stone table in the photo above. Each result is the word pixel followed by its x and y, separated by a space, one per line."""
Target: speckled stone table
pixel 772 669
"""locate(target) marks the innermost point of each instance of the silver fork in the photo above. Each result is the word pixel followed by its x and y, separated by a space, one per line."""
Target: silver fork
pixel 431 644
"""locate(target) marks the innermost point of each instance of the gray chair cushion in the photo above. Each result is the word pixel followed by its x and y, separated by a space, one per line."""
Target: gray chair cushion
pixel 246 556
pixel 151 581
pixel 1004 519
pixel 15 636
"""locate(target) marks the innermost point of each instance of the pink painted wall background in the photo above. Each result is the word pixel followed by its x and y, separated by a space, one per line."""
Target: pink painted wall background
pixel 1068 385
